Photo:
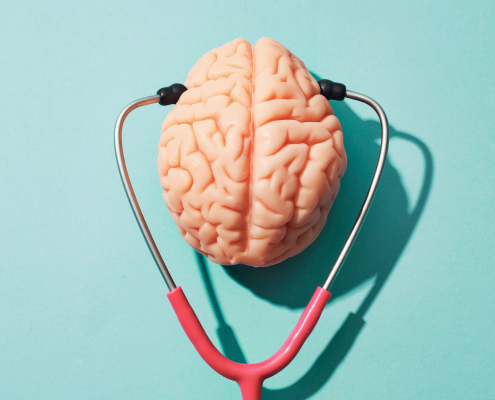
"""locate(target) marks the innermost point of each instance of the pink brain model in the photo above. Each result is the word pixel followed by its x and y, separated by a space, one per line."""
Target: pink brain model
pixel 251 156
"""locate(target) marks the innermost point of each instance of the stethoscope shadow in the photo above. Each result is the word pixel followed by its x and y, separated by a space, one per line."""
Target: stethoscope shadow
pixel 382 239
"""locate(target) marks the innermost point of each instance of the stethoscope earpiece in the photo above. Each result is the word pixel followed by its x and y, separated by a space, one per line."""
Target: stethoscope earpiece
pixel 170 94
pixel 332 90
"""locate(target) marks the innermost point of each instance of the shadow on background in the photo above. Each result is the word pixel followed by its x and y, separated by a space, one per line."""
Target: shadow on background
pixel 382 239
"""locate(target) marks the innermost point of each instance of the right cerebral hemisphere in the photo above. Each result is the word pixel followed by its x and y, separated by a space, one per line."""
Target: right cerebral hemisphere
pixel 251 156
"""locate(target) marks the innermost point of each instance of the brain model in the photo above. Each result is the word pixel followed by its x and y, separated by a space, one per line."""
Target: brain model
pixel 251 156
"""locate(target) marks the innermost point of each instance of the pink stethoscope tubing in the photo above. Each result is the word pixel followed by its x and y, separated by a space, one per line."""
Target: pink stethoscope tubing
pixel 250 377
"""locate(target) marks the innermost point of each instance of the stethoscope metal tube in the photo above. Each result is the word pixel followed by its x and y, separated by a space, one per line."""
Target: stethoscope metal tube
pixel 119 153
pixel 250 377
pixel 371 191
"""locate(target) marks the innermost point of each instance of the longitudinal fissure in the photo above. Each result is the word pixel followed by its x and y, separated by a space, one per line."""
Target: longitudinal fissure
pixel 251 160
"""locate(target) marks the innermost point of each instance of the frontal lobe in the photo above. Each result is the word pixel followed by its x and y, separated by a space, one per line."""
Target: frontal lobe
pixel 251 157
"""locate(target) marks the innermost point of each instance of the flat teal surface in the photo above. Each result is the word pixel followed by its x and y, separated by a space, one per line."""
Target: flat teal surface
pixel 83 308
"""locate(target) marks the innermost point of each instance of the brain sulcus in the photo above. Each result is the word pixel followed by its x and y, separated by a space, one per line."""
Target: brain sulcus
pixel 251 156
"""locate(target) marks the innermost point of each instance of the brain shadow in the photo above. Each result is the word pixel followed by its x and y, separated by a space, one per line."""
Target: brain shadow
pixel 383 237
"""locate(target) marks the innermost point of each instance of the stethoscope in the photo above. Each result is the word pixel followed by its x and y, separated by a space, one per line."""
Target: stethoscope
pixel 250 377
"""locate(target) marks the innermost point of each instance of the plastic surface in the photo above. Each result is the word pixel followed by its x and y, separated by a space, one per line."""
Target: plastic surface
pixel 250 377
pixel 250 158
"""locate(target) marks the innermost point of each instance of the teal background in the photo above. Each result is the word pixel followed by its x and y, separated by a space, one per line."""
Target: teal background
pixel 83 309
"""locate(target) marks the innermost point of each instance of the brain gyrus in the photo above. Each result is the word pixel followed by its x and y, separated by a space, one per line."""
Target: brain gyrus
pixel 251 156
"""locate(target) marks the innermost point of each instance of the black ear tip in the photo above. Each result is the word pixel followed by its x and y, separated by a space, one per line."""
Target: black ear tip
pixel 171 94
pixel 332 90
